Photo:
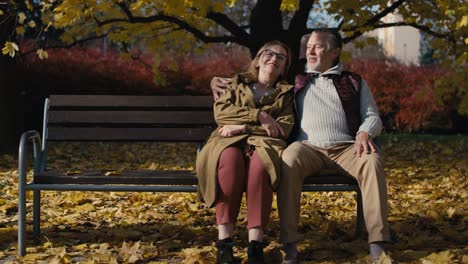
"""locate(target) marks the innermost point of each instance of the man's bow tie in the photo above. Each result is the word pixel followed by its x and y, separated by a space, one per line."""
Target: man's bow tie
pixel 311 75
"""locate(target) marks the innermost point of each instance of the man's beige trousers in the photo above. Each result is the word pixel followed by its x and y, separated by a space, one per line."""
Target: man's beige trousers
pixel 301 160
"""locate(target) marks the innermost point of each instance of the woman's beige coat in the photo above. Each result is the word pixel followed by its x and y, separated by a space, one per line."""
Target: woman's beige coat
pixel 237 106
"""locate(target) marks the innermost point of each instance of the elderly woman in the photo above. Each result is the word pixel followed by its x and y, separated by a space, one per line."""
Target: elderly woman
pixel 255 116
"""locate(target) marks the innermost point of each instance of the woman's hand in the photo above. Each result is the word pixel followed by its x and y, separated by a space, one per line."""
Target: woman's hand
pixel 231 130
pixel 271 126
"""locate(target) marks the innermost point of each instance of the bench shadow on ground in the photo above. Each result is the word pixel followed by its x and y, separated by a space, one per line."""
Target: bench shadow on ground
pixel 338 244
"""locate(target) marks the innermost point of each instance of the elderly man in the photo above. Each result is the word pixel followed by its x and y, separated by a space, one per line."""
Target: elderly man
pixel 338 118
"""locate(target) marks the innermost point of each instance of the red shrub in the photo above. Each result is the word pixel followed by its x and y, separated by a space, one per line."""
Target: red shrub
pixel 86 70
pixel 404 93
pixel 194 73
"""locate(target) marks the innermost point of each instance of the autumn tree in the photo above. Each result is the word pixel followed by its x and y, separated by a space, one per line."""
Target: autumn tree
pixel 158 26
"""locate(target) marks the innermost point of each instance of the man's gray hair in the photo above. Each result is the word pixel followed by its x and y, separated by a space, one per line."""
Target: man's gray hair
pixel 334 39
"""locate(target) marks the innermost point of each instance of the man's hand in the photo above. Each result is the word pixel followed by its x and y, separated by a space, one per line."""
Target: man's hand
pixel 364 144
pixel 218 86
pixel 231 130
pixel 271 126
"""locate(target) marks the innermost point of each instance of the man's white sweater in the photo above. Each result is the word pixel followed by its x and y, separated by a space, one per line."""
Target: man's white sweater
pixel 322 118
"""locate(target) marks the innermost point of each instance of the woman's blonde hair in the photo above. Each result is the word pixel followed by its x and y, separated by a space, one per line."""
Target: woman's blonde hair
pixel 252 69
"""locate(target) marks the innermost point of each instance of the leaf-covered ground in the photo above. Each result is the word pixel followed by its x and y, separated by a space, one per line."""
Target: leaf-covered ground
pixel 427 179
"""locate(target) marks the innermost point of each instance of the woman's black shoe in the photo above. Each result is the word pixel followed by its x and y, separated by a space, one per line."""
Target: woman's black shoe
pixel 224 254
pixel 255 252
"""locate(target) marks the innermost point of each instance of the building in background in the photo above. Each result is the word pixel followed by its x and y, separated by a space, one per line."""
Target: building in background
pixel 402 43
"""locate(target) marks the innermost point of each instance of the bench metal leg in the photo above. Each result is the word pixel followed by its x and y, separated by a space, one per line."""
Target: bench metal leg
pixel 21 219
pixel 37 213
pixel 22 161
pixel 360 222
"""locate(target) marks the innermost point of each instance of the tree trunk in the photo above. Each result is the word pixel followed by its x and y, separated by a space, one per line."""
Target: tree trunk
pixel 298 26
pixel 266 24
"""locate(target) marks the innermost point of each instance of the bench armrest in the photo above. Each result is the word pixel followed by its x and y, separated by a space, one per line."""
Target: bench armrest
pixel 35 137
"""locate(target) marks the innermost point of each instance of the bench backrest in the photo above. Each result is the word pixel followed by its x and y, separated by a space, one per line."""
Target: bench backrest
pixel 128 118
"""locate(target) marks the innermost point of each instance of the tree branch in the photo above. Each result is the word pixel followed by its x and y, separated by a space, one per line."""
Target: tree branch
pixel 227 23
pixel 266 21
pixel 299 20
pixel 298 27
pixel 224 21
pixel 126 11
pixel 377 17
pixel 371 21
pixel 137 58
pixel 340 24
pixel 420 27
pixel 186 26
pixel 65 46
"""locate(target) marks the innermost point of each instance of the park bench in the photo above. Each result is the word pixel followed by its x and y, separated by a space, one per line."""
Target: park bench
pixel 78 118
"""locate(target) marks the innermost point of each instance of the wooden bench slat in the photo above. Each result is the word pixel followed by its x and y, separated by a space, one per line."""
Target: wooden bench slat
pixel 128 134
pixel 131 117
pixel 166 177
pixel 130 101
pixel 126 177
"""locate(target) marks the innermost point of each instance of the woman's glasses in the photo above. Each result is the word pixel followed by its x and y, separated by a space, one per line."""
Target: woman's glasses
pixel 269 54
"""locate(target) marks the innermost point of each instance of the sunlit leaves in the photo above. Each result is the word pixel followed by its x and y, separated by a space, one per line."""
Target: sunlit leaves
pixel 69 13
pixel 230 3
pixel 463 22
pixel 10 48
pixel 61 258
pixel 21 18
pixel 140 4
pixel 290 5
pixel 83 19
pixel 130 253
pixel 439 258
pixel 427 192
pixel 20 30
pixel 42 54
pixel 31 24
pixel 384 259
pixel 199 255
